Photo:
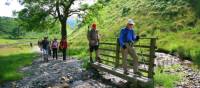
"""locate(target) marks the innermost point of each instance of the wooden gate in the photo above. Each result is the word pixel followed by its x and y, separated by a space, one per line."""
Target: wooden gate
pixel 110 55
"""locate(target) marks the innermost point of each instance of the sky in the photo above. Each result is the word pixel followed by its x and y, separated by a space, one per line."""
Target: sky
pixel 6 10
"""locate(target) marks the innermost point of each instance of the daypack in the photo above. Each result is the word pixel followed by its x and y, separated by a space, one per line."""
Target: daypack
pixel 63 44
pixel 55 44
pixel 93 37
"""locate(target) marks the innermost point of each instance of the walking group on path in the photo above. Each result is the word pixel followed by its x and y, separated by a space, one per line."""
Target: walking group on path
pixel 47 47
pixel 127 39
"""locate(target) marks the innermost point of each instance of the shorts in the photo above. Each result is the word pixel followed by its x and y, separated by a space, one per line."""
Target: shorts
pixel 92 48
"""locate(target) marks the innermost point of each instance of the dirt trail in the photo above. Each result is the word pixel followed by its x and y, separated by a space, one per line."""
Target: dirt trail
pixel 55 74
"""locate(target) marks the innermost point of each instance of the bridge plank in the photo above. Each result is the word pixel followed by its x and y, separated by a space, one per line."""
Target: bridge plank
pixel 119 73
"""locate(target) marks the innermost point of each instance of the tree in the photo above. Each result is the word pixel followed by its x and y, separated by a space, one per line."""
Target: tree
pixel 42 9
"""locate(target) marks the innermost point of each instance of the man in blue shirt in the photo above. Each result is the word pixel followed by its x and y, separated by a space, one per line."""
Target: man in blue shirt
pixel 126 40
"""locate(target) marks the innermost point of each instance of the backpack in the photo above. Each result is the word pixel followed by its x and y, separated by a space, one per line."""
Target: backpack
pixel 55 44
pixel 93 37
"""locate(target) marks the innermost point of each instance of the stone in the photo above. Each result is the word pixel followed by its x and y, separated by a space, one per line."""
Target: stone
pixel 65 79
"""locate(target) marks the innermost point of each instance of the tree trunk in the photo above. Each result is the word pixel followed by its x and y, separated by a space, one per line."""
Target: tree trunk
pixel 63 29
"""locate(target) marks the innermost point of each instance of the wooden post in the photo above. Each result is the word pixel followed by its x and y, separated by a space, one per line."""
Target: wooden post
pixel 117 53
pixel 152 56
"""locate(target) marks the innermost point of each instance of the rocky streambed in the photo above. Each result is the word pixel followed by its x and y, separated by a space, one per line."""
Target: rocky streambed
pixel 191 76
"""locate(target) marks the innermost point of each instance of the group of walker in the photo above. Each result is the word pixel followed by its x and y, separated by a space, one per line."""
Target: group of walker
pixel 127 39
pixel 47 46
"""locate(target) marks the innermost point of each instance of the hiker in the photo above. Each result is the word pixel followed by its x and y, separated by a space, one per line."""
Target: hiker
pixel 45 45
pixel 127 39
pixel 63 46
pixel 93 38
pixel 54 47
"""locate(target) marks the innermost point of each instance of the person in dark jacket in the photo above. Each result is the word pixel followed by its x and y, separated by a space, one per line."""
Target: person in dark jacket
pixel 126 40
pixel 63 47
pixel 45 47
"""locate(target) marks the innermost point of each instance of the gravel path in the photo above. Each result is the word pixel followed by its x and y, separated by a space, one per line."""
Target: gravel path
pixel 56 74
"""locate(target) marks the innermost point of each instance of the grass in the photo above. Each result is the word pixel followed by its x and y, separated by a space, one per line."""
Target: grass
pixel 7 41
pixel 11 60
pixel 185 44
pixel 16 41
pixel 167 80
pixel 173 22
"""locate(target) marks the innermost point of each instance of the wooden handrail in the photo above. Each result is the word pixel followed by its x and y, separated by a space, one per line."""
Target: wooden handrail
pixel 107 61
pixel 108 55
pixel 116 61
pixel 108 43
pixel 107 49
pixel 143 46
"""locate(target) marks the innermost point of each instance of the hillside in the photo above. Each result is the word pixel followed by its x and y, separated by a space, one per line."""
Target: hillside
pixel 176 23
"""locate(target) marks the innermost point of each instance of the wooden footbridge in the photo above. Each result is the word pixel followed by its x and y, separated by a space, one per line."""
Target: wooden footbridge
pixel 111 58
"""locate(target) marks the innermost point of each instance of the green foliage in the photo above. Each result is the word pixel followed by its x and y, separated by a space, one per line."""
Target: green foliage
pixel 196 5
pixel 34 18
pixel 7 41
pixel 11 61
pixel 125 11
pixel 93 14
pixel 167 80
pixel 174 22
pixel 9 27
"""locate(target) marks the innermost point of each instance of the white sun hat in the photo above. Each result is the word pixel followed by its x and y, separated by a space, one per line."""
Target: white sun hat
pixel 130 21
